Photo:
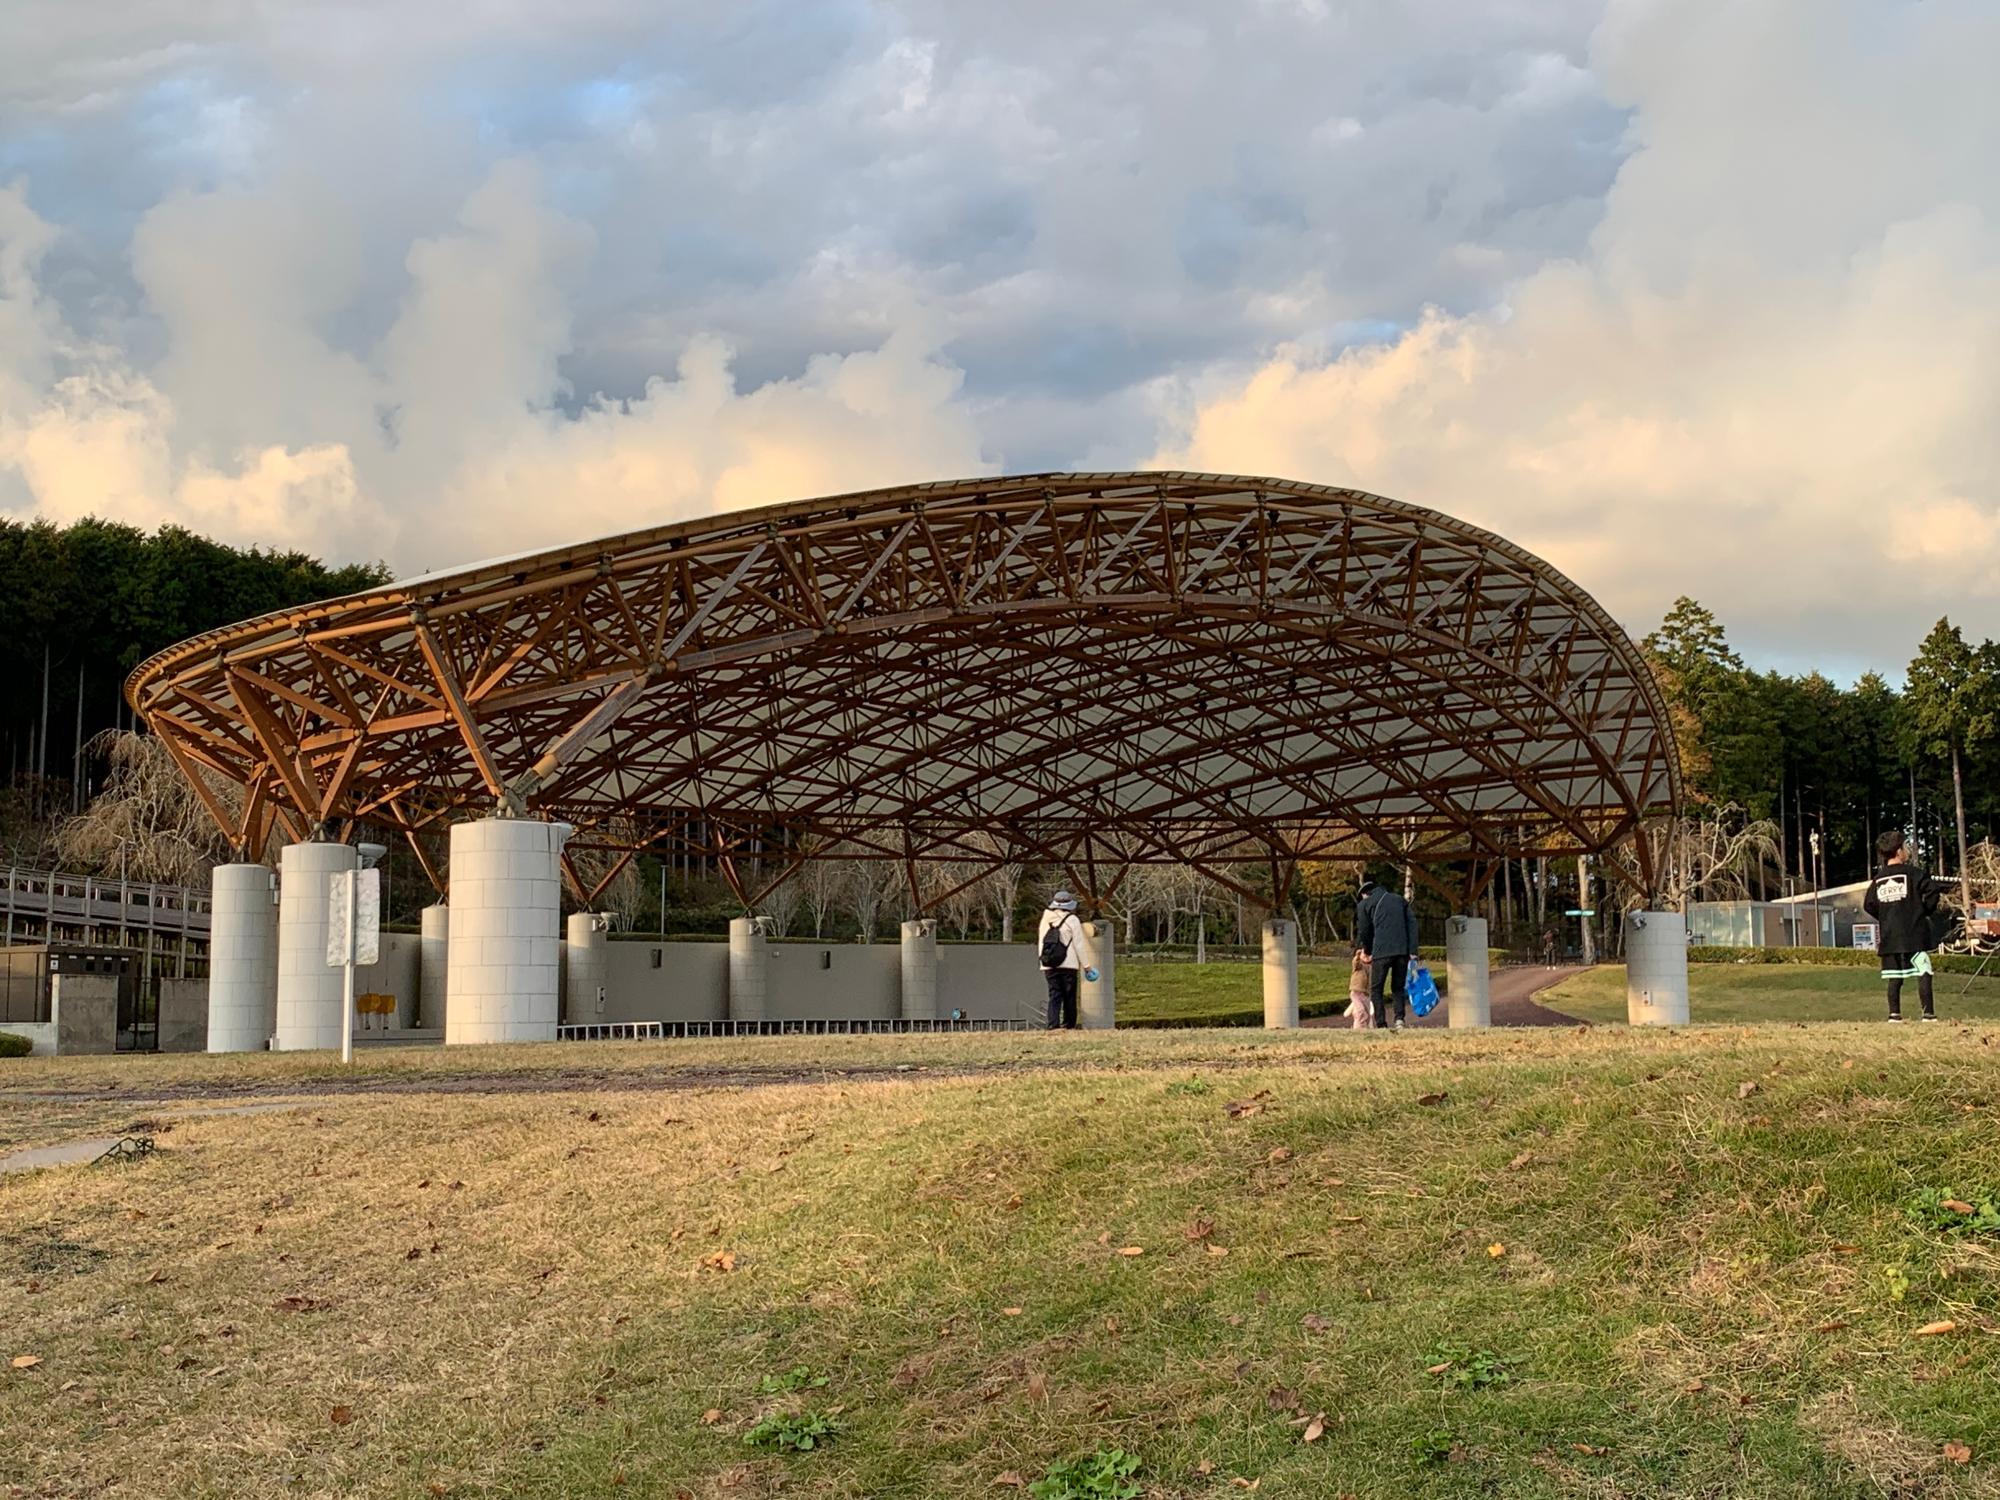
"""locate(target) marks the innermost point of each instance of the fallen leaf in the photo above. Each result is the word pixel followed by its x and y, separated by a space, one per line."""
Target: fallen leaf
pixel 1242 1109
pixel 1316 1428
pixel 156 1278
pixel 1943 1325
pixel 26 1361
pixel 1694 1387
pixel 1104 1238
pixel 1013 1202
pixel 340 1416
pixel 1745 1090
pixel 1438 1369
pixel 1131 1250
pixel 1110 1325
pixel 1245 1484
pixel 1520 1161
pixel 1438 1098
pixel 1218 1250
pixel 1846 1249
pixel 1586 1448
pixel 1038 1388
pixel 1010 1312
pixel 720 1260
pixel 710 1417
pixel 1282 1398
pixel 1011 1480
pixel 1198 1229
pixel 1206 1466
pixel 1279 1153
pixel 1831 1325
pixel 1956 1206
pixel 1958 1453
pixel 1314 1323
pixel 1496 1249
pixel 297 1304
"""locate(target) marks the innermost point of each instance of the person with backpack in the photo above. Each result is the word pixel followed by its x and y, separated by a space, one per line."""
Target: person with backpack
pixel 1903 900
pixel 1385 932
pixel 1061 951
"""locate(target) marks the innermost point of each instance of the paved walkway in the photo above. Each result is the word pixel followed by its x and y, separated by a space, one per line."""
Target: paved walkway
pixel 1513 990
pixel 69 1153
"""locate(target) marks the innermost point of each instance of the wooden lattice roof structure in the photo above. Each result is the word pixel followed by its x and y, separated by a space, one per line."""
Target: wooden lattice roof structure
pixel 1085 670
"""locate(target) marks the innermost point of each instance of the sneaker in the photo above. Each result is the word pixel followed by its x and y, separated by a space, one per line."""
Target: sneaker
pixel 1895 1020
pixel 1927 1016
pixel 1398 1026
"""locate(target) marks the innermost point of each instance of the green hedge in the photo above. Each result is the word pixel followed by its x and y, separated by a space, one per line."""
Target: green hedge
pixel 12 1045
pixel 1828 958
pixel 1494 957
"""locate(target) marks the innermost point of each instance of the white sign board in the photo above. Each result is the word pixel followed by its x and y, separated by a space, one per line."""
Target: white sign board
pixel 367 901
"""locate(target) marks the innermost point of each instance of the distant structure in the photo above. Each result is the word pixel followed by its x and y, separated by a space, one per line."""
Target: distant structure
pixel 1085 671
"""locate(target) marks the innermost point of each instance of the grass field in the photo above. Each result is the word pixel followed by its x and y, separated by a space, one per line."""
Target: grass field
pixel 1182 990
pixel 1607 1263
pixel 1721 994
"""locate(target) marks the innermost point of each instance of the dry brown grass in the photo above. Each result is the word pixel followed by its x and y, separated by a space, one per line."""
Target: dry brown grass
pixel 506 1291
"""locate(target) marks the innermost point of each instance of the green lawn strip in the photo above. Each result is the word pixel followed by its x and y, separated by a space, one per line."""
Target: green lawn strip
pixel 1735 993
pixel 1668 1250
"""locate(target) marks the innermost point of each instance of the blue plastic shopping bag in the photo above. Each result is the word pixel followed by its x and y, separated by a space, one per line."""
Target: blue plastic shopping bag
pixel 1423 991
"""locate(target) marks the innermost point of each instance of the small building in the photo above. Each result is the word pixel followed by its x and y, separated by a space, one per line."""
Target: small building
pixel 71 998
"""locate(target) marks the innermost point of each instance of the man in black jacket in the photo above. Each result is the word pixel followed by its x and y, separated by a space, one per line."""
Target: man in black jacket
pixel 1903 900
pixel 1385 930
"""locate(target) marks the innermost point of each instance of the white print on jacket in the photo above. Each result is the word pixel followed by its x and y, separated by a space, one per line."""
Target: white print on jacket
pixel 1893 888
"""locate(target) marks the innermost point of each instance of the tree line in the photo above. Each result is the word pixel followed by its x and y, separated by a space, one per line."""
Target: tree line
pixel 1824 768
pixel 80 606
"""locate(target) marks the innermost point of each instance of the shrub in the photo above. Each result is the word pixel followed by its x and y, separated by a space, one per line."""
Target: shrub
pixel 13 1045
pixel 1831 958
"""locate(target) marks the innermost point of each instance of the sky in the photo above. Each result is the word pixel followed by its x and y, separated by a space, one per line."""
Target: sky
pixel 1686 296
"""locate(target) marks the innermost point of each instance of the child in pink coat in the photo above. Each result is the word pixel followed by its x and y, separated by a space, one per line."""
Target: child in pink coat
pixel 1361 1014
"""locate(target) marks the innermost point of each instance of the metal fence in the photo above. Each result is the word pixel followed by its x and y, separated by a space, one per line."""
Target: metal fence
pixel 635 1030
pixel 166 925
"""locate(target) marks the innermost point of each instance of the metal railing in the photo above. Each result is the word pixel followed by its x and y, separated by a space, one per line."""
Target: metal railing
pixel 635 1030
pixel 168 924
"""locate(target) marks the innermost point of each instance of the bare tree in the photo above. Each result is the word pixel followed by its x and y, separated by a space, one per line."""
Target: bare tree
pixel 1001 889
pixel 1716 859
pixel 780 904
pixel 148 823
pixel 869 884
pixel 821 882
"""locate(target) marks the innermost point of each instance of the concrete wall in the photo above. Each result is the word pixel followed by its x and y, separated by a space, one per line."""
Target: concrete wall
pixel 819 981
pixel 183 1015
pixel 84 1008
pixel 398 972
pixel 41 1035
pixel 690 984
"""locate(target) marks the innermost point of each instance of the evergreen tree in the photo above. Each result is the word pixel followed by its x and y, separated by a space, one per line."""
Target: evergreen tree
pixel 1952 708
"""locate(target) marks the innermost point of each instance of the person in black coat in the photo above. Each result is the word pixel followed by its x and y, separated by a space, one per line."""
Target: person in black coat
pixel 1385 933
pixel 1903 900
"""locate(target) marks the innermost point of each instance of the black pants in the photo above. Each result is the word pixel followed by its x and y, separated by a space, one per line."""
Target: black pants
pixel 1062 998
pixel 1389 976
pixel 1902 961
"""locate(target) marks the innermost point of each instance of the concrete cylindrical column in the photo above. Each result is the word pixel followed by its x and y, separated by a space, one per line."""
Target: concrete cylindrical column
pixel 1467 975
pixel 920 971
pixel 749 971
pixel 242 958
pixel 309 988
pixel 586 966
pixel 503 953
pixel 1097 999
pixel 432 964
pixel 1281 974
pixel 1656 968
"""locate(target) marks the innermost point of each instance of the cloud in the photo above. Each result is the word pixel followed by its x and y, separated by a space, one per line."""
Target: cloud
pixel 1770 379
pixel 447 439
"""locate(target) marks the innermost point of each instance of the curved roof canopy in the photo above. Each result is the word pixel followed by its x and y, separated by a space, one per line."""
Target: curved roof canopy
pixel 1090 670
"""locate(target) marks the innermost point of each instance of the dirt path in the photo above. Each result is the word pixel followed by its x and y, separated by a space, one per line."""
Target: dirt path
pixel 1512 992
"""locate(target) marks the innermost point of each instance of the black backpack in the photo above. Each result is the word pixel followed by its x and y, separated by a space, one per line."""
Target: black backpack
pixel 1055 948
